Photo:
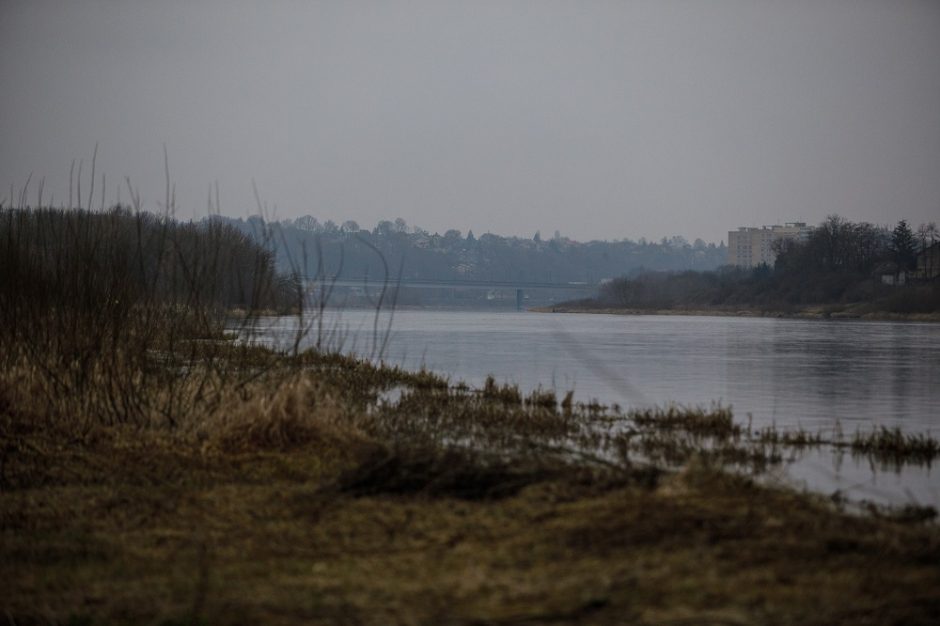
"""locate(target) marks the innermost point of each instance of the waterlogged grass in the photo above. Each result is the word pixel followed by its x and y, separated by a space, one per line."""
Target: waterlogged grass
pixel 889 446
pixel 715 422
pixel 302 495
pixel 893 445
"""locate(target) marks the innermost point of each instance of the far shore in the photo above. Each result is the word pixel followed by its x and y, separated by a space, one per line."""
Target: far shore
pixel 851 312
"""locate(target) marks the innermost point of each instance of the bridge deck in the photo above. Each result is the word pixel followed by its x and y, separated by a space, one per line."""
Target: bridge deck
pixel 478 284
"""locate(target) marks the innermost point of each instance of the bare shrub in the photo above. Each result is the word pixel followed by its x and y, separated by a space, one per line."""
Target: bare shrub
pixel 117 317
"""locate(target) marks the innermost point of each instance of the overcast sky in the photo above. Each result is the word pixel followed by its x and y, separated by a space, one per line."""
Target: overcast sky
pixel 602 120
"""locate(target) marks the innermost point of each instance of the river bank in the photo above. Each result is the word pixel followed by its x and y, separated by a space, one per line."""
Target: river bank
pixel 311 494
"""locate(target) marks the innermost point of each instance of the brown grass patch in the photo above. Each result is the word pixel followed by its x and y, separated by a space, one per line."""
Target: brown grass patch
pixel 298 412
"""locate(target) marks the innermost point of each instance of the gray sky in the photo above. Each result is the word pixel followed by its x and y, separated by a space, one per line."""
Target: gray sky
pixel 599 119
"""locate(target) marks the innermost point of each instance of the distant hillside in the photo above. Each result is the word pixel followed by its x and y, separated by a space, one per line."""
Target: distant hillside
pixel 453 256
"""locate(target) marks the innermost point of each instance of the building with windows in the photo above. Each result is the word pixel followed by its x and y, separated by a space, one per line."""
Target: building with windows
pixel 750 247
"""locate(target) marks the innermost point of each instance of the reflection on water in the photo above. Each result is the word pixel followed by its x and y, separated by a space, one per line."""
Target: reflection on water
pixel 858 477
pixel 818 375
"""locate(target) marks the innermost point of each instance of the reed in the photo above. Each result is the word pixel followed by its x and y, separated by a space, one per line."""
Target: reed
pixel 895 445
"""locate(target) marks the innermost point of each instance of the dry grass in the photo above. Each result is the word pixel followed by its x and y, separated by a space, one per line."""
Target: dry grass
pixel 155 472
pixel 297 501
pixel 300 413
pixel 295 537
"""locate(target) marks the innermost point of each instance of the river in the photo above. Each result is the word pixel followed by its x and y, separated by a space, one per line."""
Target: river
pixel 814 374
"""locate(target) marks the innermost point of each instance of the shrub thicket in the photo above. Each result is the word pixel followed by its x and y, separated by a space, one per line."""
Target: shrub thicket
pixel 100 310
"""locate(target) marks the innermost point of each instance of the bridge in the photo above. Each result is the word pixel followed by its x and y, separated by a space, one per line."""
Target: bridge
pixel 521 286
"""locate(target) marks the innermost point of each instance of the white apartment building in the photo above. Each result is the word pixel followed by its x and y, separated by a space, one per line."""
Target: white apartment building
pixel 749 247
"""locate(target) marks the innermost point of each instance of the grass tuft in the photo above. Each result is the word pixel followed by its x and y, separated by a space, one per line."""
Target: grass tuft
pixel 298 413
pixel 716 421
pixel 895 445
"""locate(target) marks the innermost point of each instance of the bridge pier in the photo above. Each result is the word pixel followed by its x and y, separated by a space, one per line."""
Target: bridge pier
pixel 518 299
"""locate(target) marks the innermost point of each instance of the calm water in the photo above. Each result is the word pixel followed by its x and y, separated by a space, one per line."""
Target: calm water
pixel 818 375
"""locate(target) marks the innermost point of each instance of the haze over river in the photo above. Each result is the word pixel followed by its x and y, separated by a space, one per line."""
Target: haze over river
pixel 814 374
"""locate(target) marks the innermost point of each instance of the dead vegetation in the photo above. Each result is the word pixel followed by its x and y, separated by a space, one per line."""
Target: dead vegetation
pixel 298 499
pixel 145 525
pixel 895 446
pixel 164 473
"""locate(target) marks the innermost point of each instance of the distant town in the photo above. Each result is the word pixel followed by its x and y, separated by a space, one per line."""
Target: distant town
pixel 908 254
pixel 750 247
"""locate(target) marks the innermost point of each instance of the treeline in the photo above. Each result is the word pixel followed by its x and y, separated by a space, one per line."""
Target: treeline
pixel 106 307
pixel 355 252
pixel 838 246
pixel 53 259
pixel 839 263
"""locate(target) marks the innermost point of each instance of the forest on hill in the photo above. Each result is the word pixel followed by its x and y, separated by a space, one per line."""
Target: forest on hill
pixel 353 252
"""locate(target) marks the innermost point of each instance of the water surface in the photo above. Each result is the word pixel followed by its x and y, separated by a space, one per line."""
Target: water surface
pixel 815 374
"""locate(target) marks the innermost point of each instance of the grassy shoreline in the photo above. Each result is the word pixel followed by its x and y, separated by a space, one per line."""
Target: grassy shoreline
pixel 305 498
